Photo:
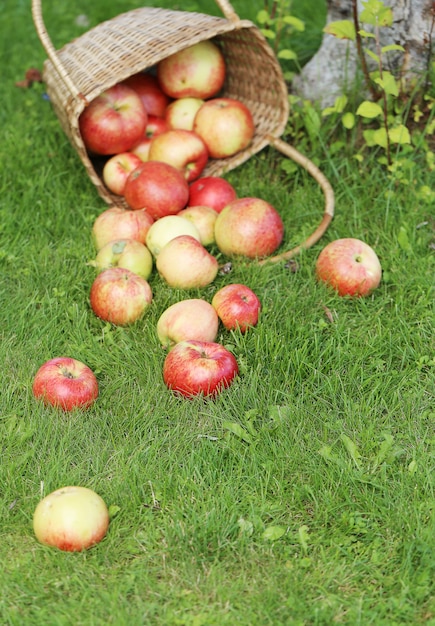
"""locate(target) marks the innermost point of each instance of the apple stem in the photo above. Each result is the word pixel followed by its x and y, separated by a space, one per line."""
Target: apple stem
pixel 328 192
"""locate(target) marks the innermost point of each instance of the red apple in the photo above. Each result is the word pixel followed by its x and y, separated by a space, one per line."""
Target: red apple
pixel 126 253
pixel 120 296
pixel 181 148
pixel 66 383
pixel 249 227
pixel 204 219
pixel 155 126
pixel 350 266
pixel 197 71
pixel 237 306
pixel 212 191
pixel 158 187
pixel 147 87
pixel 226 125
pixel 71 519
pixel 181 112
pixel 116 223
pixel 114 121
pixel 142 148
pixel 193 367
pixel 116 171
pixel 187 319
pixel 184 263
pixel 165 229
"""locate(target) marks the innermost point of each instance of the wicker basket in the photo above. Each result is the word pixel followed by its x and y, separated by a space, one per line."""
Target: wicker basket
pixel 137 40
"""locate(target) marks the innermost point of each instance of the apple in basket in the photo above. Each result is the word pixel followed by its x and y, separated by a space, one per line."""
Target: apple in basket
pixel 193 318
pixel 120 296
pixel 71 518
pixel 165 229
pixel 249 227
pixel 117 223
pixel 184 263
pixel 212 191
pixel 155 126
pixel 116 171
pixel 159 187
pixel 226 125
pixel 181 112
pixel 66 383
pixel 147 87
pixel 126 253
pixel 350 266
pixel 114 121
pixel 181 148
pixel 193 368
pixel 237 306
pixel 197 71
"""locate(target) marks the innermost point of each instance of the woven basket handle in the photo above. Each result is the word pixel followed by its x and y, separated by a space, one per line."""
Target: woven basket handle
pixel 224 6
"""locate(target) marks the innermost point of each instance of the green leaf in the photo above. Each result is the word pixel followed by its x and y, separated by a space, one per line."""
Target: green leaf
pixel 366 33
pixel 238 431
pixel 393 46
pixel 376 13
pixel 348 120
pixel 295 22
pixel 380 137
pixel 369 109
pixel 118 246
pixel 403 240
pixel 269 34
pixel 246 527
pixel 287 54
pixel 352 449
pixel 373 55
pixel 342 29
pixel 388 83
pixel 263 17
pixel 399 134
pixel 273 533
pixel 303 537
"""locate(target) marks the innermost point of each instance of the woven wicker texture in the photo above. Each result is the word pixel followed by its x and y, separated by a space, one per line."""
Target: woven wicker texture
pixel 136 41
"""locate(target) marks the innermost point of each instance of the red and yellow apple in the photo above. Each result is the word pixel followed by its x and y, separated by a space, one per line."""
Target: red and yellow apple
pixel 212 191
pixel 116 171
pixel 181 112
pixel 66 383
pixel 194 318
pixel 126 253
pixel 237 306
pixel 166 228
pixel 147 87
pixel 184 263
pixel 183 149
pixel 204 219
pixel 116 223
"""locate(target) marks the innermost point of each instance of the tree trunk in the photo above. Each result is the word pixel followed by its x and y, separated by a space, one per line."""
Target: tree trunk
pixel 335 68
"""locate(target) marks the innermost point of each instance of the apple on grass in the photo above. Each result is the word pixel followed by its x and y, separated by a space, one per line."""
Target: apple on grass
pixel 197 71
pixel 148 89
pixel 166 228
pixel 350 266
pixel 116 171
pixel 204 219
pixel 181 112
pixel 237 306
pixel 212 191
pixel 116 223
pixel 66 383
pixel 71 518
pixel 226 126
pixel 193 368
pixel 126 253
pixel 114 121
pixel 159 187
pixel 181 148
pixel 187 319
pixel 184 263
pixel 249 227
pixel 120 296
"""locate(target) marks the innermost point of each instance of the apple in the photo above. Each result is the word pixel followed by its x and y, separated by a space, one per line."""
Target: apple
pixel 181 148
pixel 184 263
pixel 166 228
pixel 197 71
pixel 147 87
pixel 66 383
pixel 120 296
pixel 114 121
pixel 350 266
pixel 155 126
pixel 116 170
pixel 142 148
pixel 212 191
pixel 126 253
pixel 187 319
pixel 159 187
pixel 249 227
pixel 237 306
pixel 181 112
pixel 194 367
pixel 226 125
pixel 71 519
pixel 204 218
pixel 116 223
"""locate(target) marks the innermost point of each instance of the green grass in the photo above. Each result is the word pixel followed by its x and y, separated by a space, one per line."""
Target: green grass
pixel 304 494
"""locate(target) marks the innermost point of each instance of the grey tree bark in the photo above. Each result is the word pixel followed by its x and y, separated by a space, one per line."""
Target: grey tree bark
pixel 335 68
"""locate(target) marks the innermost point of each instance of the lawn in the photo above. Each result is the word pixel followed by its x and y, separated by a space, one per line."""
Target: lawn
pixel 303 495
